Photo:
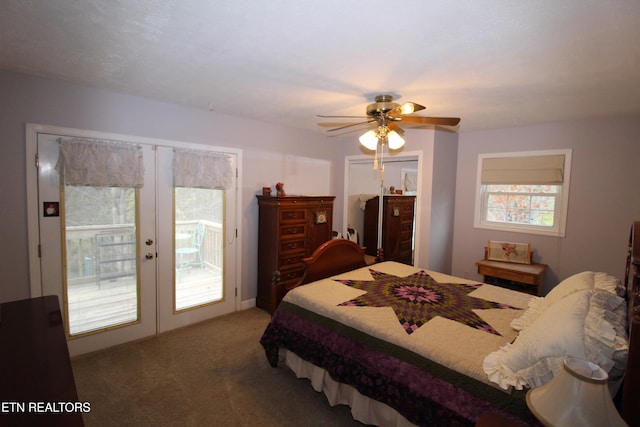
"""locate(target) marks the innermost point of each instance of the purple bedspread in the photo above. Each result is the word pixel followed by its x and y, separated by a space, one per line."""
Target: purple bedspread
pixel 424 392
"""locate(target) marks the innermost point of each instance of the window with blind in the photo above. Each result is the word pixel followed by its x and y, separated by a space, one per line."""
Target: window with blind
pixel 524 192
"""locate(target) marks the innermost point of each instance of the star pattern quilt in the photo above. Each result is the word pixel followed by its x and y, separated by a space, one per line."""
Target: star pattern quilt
pixel 418 298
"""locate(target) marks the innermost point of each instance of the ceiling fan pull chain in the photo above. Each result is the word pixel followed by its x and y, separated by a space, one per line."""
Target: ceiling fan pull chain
pixel 375 160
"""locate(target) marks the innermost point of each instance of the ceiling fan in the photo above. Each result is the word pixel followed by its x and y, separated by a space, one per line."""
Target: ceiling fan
pixel 386 114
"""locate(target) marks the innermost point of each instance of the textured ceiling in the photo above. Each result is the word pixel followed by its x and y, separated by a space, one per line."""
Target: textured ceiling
pixel 494 63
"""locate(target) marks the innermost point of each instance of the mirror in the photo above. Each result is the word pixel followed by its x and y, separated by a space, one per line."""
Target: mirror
pixel 362 182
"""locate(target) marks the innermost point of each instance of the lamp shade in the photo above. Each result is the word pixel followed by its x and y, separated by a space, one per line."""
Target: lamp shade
pixel 369 140
pixel 577 396
pixel 395 140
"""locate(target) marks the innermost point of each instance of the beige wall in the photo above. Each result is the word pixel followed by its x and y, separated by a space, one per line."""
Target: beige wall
pixel 270 154
pixel 603 198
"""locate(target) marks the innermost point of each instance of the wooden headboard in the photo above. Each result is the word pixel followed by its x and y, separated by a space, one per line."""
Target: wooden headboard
pixel 333 257
pixel 631 386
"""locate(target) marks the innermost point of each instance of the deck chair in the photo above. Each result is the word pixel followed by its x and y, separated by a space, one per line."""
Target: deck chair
pixel 186 255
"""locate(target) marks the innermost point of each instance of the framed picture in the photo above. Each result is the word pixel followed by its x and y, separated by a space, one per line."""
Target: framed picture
pixel 321 217
pixel 409 178
pixel 509 252
pixel 51 209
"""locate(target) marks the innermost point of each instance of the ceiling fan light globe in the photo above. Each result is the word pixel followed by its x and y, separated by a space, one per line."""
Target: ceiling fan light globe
pixel 369 140
pixel 407 108
pixel 395 140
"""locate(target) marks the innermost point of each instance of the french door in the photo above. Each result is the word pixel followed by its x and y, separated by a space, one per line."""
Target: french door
pixel 127 263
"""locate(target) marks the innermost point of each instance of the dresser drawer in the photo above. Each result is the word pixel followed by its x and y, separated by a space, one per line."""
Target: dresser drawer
pixel 292 231
pixel 289 247
pixel 290 277
pixel 521 277
pixel 514 276
pixel 282 287
pixel 407 217
pixel 293 216
pixel 405 245
pixel 406 227
pixel 290 260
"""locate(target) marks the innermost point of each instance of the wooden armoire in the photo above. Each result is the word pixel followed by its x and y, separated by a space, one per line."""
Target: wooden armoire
pixel 290 229
pixel 397 227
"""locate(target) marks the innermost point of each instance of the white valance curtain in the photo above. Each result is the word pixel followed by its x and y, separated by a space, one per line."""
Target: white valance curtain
pixel 90 162
pixel 201 169
pixel 542 170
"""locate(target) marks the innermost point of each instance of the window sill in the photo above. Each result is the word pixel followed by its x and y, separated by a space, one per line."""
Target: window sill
pixel 521 229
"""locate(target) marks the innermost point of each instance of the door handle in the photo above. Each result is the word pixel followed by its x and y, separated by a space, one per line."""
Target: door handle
pixel 149 255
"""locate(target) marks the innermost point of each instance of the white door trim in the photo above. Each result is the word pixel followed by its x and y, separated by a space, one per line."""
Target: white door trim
pixel 362 158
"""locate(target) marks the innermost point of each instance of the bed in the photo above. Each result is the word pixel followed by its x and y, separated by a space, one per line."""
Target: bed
pixel 355 331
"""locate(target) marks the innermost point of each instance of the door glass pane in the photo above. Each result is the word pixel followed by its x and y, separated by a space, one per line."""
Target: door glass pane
pixel 199 244
pixel 101 268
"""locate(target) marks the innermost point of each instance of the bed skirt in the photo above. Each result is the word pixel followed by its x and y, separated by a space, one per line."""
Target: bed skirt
pixel 363 409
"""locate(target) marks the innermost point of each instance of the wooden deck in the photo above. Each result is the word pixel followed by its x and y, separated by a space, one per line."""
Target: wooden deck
pixel 98 305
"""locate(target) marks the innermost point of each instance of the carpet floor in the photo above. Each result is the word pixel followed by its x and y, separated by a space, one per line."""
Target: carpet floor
pixel 213 373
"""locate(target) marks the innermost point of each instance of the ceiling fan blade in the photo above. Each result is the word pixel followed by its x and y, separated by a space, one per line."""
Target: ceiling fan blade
pixel 444 121
pixel 341 117
pixel 350 125
pixel 394 126
pixel 333 124
pixel 406 108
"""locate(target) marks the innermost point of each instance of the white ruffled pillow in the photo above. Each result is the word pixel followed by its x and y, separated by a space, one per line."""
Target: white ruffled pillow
pixel 609 283
pixel 575 283
pixel 535 307
pixel 578 282
pixel 586 324
pixel 606 339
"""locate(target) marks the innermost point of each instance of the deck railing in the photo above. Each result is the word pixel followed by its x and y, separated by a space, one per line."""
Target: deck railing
pixel 84 244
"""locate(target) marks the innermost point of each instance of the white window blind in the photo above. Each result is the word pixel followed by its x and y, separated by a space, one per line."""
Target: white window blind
pixel 201 169
pixel 542 170
pixel 89 162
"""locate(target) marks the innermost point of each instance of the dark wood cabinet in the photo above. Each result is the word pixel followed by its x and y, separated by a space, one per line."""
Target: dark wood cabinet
pixel 290 229
pixel 397 227
pixel 37 387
